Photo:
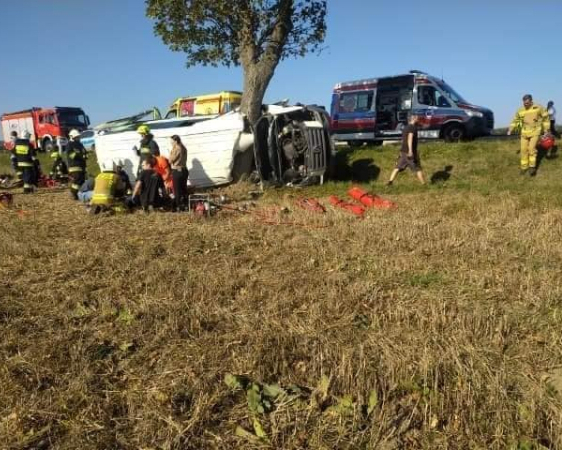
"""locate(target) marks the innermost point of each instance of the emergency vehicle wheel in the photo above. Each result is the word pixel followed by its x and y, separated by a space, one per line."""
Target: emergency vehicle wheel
pixel 453 133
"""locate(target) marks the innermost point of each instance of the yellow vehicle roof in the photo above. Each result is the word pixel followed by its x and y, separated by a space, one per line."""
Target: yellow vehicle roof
pixel 208 96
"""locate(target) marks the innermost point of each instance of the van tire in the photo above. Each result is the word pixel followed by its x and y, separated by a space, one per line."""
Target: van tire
pixel 454 133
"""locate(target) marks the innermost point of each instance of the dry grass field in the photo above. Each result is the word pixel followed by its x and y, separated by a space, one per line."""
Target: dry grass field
pixel 437 325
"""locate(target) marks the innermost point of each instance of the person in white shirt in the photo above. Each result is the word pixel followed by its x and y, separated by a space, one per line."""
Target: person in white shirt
pixel 552 115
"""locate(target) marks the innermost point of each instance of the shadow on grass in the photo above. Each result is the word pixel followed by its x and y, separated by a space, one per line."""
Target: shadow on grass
pixel 441 175
pixel 361 170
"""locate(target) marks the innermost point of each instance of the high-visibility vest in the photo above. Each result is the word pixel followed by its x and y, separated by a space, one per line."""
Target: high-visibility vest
pixel 76 161
pixel 531 122
pixel 24 154
pixel 104 189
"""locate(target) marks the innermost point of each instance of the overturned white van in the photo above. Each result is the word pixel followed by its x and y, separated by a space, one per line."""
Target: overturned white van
pixel 288 145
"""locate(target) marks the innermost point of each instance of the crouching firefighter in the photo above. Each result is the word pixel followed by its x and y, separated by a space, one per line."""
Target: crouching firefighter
pixel 59 171
pixel 108 187
pixel 26 162
pixel 148 146
pixel 76 163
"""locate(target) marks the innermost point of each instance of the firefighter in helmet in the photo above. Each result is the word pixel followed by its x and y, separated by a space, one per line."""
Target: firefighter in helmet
pixel 59 170
pixel 148 146
pixel 13 158
pixel 26 162
pixel 108 188
pixel 76 154
pixel 531 121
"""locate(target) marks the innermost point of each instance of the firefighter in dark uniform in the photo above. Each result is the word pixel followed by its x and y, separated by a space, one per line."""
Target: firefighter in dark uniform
pixel 148 146
pixel 76 154
pixel 59 171
pixel 13 159
pixel 26 162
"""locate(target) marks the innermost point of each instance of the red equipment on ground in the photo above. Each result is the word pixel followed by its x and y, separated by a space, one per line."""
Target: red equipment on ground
pixel 311 204
pixel 370 200
pixel 547 141
pixel 354 209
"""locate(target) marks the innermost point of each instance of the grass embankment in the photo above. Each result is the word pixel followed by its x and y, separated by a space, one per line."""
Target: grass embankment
pixel 436 325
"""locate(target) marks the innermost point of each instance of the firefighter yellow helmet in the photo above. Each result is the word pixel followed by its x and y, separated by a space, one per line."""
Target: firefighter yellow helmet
pixel 143 129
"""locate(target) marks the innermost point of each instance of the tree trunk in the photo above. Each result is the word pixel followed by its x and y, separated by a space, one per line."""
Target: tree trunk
pixel 256 80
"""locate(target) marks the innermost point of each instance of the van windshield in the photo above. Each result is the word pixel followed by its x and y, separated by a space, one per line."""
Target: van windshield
pixel 72 118
pixel 451 93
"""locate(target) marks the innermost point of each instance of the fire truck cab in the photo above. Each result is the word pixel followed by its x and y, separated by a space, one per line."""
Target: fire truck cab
pixel 49 127
pixel 374 110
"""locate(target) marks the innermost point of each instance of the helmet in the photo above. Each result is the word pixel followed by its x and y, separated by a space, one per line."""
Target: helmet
pixel 26 135
pixel 73 134
pixel 143 129
pixel 547 141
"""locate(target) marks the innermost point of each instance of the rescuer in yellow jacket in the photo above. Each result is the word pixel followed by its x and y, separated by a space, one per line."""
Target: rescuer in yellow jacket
pixel 531 121
pixel 108 187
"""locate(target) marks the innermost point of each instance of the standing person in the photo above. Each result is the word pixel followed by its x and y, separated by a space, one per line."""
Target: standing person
pixel 76 163
pixel 552 116
pixel 531 121
pixel 148 146
pixel 13 158
pixel 180 174
pixel 26 162
pixel 409 156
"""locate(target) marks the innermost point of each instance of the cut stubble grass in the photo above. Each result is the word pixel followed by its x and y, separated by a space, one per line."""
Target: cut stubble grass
pixel 435 325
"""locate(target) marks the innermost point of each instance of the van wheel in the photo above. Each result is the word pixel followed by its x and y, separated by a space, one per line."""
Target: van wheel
pixel 453 133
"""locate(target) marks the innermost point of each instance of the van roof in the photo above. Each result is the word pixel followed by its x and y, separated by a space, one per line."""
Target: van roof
pixel 372 82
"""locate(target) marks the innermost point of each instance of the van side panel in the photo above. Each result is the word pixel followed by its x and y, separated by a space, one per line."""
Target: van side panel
pixel 353 115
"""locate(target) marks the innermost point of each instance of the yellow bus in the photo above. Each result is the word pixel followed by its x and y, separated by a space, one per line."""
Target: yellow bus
pixel 205 105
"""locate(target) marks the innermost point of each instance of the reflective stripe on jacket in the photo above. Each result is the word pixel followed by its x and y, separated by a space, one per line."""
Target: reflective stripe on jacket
pixel 24 153
pixel 76 157
pixel 531 122
pixel 104 188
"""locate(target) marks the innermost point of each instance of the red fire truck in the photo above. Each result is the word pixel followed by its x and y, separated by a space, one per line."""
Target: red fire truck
pixel 49 127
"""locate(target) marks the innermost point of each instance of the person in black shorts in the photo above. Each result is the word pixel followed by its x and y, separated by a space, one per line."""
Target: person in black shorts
pixel 409 156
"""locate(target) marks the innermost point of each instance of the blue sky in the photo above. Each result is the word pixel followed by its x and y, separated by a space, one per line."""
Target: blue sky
pixel 104 56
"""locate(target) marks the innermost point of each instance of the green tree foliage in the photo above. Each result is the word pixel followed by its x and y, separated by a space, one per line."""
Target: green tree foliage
pixel 255 34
